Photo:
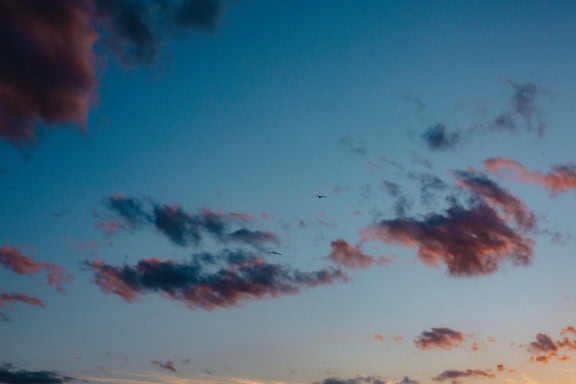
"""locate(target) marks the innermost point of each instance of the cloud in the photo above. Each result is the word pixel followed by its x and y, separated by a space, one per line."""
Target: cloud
pixel 208 281
pixel 444 338
pixel 135 31
pixel 353 145
pixel 11 258
pixel 523 107
pixel 407 380
pixel 545 349
pixel 456 374
pixel 48 71
pixel 11 375
pixel 6 299
pixel 355 380
pixel 351 257
pixel 169 365
pixel 470 241
pixel 402 204
pixel 559 179
pixel 498 197
pixel 437 138
pixel 180 227
pixel 378 337
pixel 429 185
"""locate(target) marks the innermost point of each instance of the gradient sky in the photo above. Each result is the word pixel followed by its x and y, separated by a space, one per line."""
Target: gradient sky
pixel 313 192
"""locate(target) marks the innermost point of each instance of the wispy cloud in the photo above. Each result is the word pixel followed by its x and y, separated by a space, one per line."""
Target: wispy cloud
pixel 344 254
pixel 6 299
pixel 523 111
pixel 181 227
pixel 208 281
pixel 559 179
pixel 168 365
pixel 12 258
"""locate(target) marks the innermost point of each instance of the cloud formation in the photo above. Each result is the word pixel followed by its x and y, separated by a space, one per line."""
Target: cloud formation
pixel 470 241
pixel 6 299
pixel 11 375
pixel 497 197
pixel 355 380
pixel 208 281
pixel 544 348
pixel 454 374
pixel 559 179
pixel 48 70
pixel 181 227
pixel 135 30
pixel 438 138
pixel 11 258
pixel 444 338
pixel 168 365
pixel 523 111
pixel 346 255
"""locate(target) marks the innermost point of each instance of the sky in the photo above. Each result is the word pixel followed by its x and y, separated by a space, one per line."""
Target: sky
pixel 287 192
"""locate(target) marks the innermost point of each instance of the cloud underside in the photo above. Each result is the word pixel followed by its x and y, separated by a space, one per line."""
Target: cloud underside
pixel 11 375
pixel 454 374
pixel 445 338
pixel 470 240
pixel 208 281
pixel 48 67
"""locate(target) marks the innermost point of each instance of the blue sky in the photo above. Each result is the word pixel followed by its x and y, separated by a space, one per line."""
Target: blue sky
pixel 160 166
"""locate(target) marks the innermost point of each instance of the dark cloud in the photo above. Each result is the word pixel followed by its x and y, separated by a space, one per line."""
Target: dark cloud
pixel 444 338
pixel 407 380
pixel 11 375
pixel 48 67
pixel 12 258
pixel 353 145
pixel 6 299
pixel 438 138
pixel 559 179
pixel 181 227
pixel 47 70
pixel 208 281
pixel 169 365
pixel 355 380
pixel 135 30
pixel 454 374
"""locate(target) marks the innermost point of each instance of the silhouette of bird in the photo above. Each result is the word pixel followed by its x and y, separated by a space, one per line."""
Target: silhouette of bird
pixel 274 253
pixel 320 196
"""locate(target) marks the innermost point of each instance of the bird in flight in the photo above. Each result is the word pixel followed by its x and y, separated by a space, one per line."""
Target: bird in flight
pixel 320 196
pixel 274 253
